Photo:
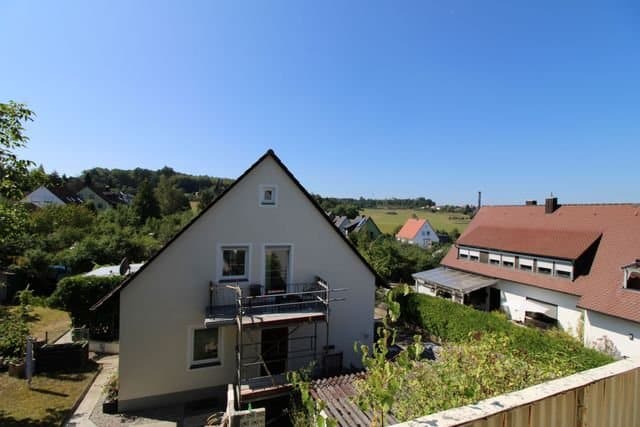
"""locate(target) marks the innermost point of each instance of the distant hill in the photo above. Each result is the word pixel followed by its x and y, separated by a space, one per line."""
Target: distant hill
pixel 128 180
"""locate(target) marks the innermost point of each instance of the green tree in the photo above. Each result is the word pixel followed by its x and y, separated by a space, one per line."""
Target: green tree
pixel 170 198
pixel 145 204
pixel 14 174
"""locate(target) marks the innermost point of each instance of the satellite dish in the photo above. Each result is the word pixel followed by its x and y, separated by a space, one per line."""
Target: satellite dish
pixel 124 266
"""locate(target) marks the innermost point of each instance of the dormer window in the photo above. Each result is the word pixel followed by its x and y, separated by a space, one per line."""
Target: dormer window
pixel 632 275
pixel 268 195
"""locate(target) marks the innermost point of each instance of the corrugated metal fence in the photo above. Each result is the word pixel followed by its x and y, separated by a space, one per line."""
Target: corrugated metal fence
pixel 603 397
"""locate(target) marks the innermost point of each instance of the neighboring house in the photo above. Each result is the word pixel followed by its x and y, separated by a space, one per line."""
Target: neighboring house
pixel 360 223
pixel 342 222
pixel 242 295
pixel 100 201
pixel 113 270
pixel 104 200
pixel 49 195
pixel 574 266
pixel 418 232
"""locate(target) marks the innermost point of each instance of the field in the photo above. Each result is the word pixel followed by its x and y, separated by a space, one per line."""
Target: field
pixel 440 221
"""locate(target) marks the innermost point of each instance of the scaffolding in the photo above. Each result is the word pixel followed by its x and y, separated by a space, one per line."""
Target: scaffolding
pixel 261 364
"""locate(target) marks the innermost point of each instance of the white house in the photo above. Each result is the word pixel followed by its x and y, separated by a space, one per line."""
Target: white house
pixel 259 283
pixel 572 266
pixel 418 232
pixel 48 196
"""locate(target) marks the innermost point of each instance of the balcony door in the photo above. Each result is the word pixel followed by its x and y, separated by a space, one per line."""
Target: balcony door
pixel 277 264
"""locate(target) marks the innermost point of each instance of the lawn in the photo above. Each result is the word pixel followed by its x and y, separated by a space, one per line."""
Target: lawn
pixel 48 401
pixel 48 321
pixel 440 221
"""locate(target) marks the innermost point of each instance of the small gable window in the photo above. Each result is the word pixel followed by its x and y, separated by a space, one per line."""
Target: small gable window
pixel 268 195
pixel 632 275
pixel 633 282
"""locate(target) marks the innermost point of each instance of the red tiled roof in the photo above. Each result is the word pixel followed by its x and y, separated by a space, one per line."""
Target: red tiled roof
pixel 558 243
pixel 411 228
pixel 601 288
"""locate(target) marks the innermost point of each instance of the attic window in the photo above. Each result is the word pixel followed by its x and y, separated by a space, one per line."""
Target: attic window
pixel 633 282
pixel 268 195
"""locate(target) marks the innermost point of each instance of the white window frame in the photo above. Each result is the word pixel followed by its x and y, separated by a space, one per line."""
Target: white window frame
pixel 546 265
pixel 207 363
pixel 261 201
pixel 263 264
pixel 247 262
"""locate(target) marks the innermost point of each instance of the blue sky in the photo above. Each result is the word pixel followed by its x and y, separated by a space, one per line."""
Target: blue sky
pixel 377 99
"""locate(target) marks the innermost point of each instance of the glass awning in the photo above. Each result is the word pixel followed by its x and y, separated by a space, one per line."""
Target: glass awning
pixel 454 280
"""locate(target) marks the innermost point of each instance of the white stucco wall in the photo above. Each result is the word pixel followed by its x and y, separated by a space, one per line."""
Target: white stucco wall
pixel 171 293
pixel 598 325
pixel 513 301
pixel 42 197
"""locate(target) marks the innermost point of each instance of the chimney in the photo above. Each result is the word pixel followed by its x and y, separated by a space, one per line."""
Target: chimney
pixel 550 205
pixel 479 199
pixel 531 202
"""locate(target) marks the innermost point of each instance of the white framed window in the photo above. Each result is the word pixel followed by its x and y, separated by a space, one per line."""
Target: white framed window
pixel 463 253
pixel 233 262
pixel 494 259
pixel 205 347
pixel 474 255
pixel 268 195
pixel 277 267
pixel 564 270
pixel 508 261
pixel 544 267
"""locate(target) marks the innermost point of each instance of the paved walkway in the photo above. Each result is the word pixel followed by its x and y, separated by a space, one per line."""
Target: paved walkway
pixel 81 416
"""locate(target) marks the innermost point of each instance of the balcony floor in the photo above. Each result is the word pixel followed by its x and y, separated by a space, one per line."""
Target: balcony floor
pixel 270 319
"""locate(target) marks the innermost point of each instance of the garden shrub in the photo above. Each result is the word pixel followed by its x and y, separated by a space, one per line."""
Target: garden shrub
pixel 77 294
pixel 13 333
pixel 453 322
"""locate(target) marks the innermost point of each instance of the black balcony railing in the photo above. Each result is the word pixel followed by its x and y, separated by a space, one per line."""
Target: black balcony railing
pixel 229 300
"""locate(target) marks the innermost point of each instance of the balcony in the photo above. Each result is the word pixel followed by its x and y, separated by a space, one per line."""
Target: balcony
pixel 254 305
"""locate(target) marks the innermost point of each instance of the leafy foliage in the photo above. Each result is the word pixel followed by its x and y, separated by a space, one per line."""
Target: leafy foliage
pixel 306 411
pixel 385 379
pixel 453 322
pixel 170 198
pixel 13 333
pixel 484 355
pixel 76 294
pixel 145 204
pixel 14 174
pixel 395 261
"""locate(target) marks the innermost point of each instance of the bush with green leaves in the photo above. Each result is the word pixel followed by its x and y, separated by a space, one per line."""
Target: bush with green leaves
pixel 452 322
pixel 13 334
pixel 77 294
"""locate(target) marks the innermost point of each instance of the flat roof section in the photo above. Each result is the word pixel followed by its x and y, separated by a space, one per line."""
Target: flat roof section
pixel 455 280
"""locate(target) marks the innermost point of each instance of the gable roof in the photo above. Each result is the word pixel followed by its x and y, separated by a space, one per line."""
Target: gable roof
pixel 411 228
pixel 64 194
pixel 600 289
pixel 272 155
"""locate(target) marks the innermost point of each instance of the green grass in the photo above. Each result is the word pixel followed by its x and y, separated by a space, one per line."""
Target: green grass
pixel 440 221
pixel 43 320
pixel 47 403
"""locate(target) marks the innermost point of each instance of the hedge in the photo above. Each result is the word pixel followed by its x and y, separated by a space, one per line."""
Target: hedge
pixel 77 294
pixel 453 322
